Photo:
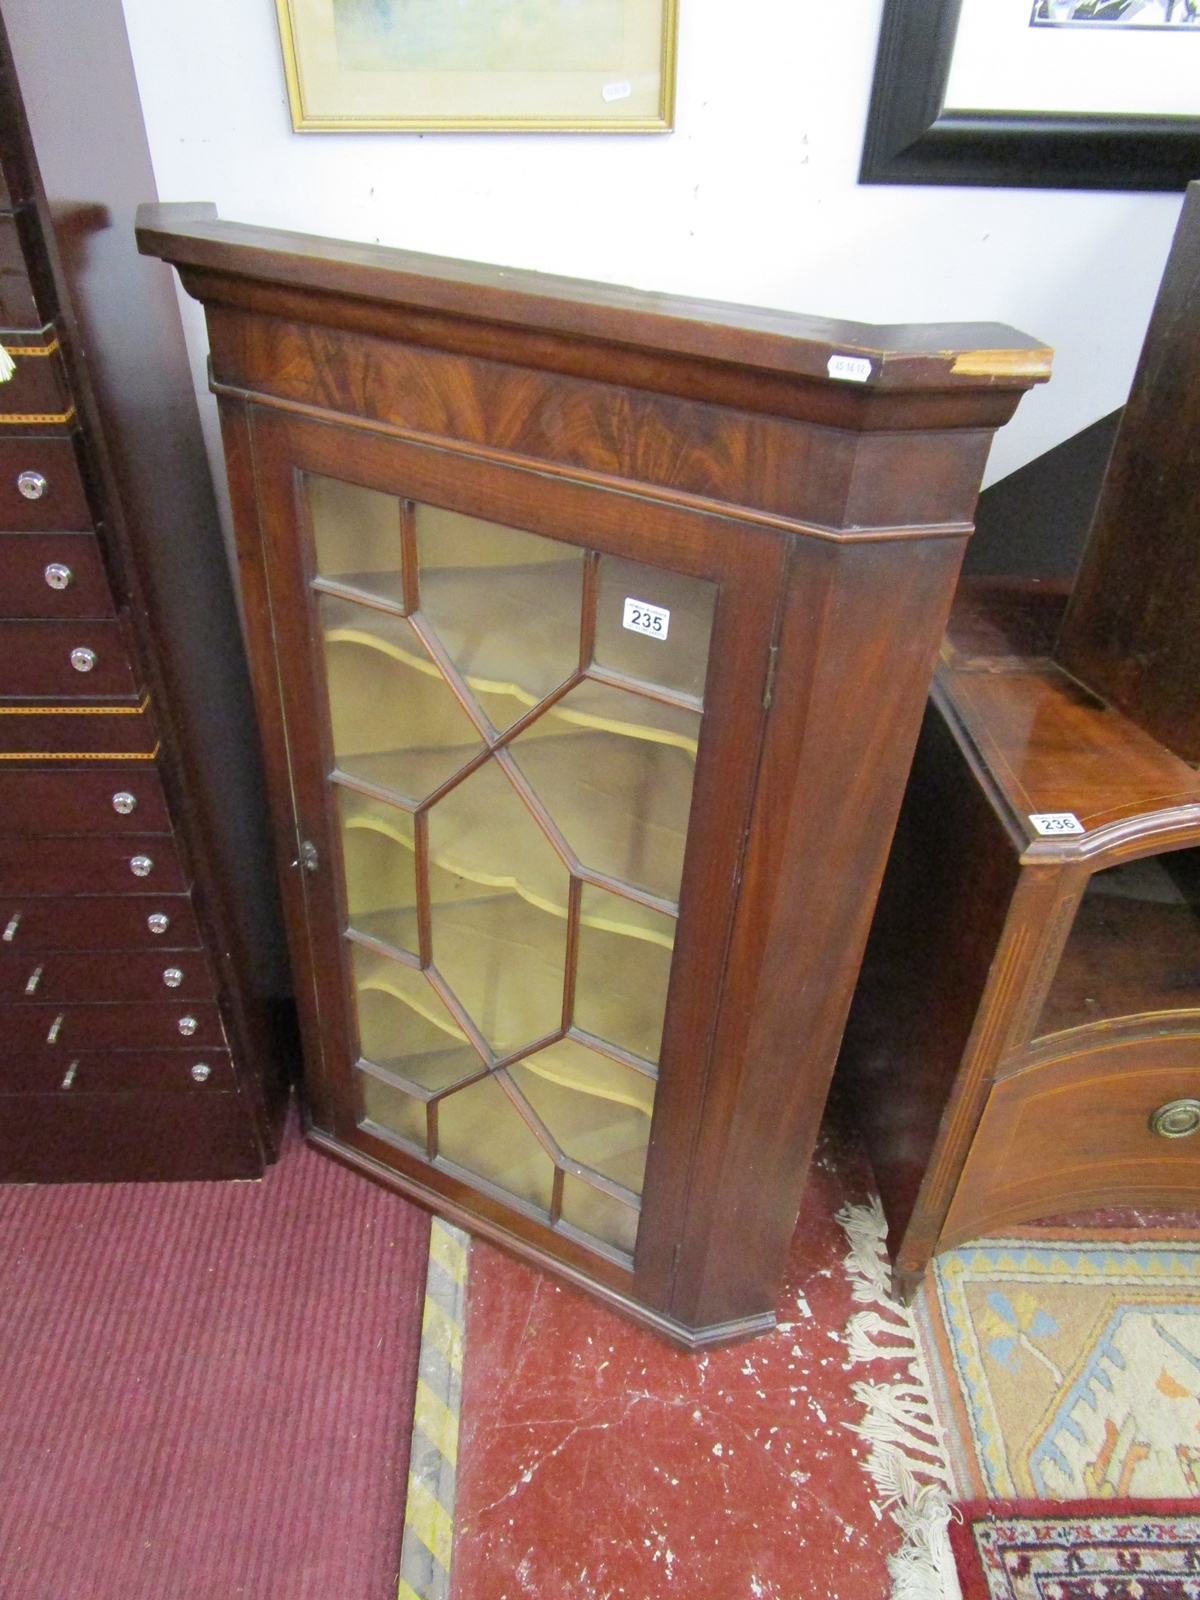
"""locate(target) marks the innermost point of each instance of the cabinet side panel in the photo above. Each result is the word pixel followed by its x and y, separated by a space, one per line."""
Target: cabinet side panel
pixel 941 911
pixel 860 633
pixel 1132 630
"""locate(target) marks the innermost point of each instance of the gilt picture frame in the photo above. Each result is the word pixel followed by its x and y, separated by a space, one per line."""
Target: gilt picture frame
pixel 585 66
pixel 934 119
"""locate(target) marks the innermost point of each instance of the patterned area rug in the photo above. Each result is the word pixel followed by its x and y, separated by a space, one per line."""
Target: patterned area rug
pixel 1095 1550
pixel 1075 1369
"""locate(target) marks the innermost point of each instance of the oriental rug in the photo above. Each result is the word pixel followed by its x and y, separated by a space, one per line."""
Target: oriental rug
pixel 1069 1370
pixel 1082 1550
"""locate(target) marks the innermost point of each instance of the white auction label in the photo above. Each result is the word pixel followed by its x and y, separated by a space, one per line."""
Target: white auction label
pixel 641 617
pixel 1053 822
pixel 617 91
pixel 856 369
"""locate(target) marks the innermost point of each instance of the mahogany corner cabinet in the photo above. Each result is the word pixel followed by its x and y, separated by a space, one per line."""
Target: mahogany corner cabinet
pixel 591 632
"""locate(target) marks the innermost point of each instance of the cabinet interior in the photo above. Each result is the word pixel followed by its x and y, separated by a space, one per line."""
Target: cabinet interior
pixel 513 767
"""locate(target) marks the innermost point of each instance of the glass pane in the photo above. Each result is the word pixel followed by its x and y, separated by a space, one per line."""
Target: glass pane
pixel 395 719
pixel 394 1110
pixel 623 968
pixel 479 1129
pixel 357 534
pixel 380 864
pixel 501 948
pixel 403 1025
pixel 599 1214
pixel 680 660
pixel 615 771
pixel 505 604
pixel 1134 945
pixel 597 1110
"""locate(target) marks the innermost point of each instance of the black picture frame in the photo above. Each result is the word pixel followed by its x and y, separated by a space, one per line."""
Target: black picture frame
pixel 910 138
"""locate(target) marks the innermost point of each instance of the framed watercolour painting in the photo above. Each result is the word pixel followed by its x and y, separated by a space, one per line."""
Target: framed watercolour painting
pixel 471 65
pixel 1067 94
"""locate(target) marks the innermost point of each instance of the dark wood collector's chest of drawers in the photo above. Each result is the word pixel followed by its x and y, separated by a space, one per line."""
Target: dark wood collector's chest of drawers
pixel 127 1049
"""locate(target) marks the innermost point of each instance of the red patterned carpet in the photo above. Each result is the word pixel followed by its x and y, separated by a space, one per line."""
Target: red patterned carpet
pixel 1078 1549
pixel 206 1389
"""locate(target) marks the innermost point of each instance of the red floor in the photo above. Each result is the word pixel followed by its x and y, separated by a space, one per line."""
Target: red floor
pixel 595 1462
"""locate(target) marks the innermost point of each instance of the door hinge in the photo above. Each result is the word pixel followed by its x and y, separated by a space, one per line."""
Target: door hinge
pixel 774 651
pixel 309 859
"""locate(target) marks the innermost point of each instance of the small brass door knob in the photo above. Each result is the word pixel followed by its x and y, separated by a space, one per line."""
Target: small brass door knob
pixel 1177 1119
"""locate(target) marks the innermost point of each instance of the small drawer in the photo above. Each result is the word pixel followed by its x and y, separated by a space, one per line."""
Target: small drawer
pixel 36 396
pixel 98 922
pixel 92 800
pixel 1084 1131
pixel 40 487
pixel 62 978
pixel 48 1071
pixel 59 865
pixel 195 1026
pixel 33 732
pixel 18 308
pixel 53 575
pixel 44 660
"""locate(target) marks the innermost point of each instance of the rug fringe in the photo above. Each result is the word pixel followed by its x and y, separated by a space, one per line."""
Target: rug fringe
pixel 908 1463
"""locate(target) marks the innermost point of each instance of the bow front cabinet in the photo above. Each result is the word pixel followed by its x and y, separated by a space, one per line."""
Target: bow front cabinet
pixel 591 633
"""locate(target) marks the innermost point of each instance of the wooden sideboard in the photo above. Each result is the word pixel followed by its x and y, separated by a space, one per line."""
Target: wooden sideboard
pixel 1025 1038
pixel 591 632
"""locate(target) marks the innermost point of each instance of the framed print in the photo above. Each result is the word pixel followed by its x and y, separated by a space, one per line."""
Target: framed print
pixel 469 65
pixel 1053 94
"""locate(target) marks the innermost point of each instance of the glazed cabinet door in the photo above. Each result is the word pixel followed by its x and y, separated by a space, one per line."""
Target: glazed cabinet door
pixel 522 717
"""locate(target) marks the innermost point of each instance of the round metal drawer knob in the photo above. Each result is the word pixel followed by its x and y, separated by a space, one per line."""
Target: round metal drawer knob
pixel 123 802
pixel 158 922
pixel 58 576
pixel 1178 1119
pixel 173 977
pixel 141 866
pixel 187 1026
pixel 31 485
pixel 202 1072
pixel 83 659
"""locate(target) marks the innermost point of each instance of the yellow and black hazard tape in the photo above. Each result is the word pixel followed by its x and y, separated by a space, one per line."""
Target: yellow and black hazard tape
pixel 429 1514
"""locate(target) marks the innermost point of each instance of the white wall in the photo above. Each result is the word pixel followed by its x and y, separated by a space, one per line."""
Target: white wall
pixel 753 198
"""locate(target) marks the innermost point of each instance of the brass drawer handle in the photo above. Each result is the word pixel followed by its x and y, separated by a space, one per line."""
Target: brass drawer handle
pixel 141 866
pixel 158 922
pixel 83 659
pixel 1178 1119
pixel 58 575
pixel 31 485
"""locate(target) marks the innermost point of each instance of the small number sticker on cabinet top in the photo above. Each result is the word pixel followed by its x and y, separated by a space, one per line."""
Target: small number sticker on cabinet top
pixel 641 617
pixel 1051 823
